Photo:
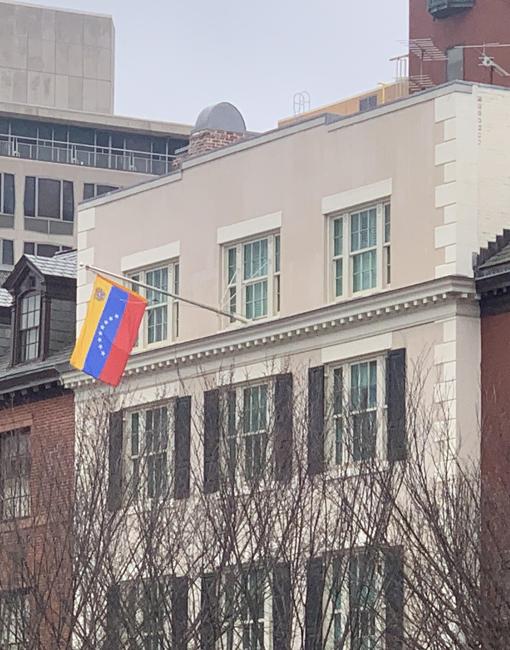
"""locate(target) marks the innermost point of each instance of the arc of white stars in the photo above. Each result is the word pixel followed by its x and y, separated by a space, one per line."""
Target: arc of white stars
pixel 101 333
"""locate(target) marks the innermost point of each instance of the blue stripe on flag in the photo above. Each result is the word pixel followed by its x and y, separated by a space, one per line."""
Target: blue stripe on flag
pixel 106 331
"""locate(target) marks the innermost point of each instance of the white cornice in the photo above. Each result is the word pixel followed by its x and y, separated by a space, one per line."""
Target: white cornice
pixel 338 316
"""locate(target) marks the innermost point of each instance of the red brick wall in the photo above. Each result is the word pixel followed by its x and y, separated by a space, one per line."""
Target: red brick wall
pixel 44 539
pixel 487 22
pixel 495 377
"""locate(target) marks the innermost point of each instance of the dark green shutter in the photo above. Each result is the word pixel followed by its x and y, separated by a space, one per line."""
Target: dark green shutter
pixel 315 420
pixel 179 612
pixel 396 404
pixel 211 441
pixel 115 442
pixel 282 607
pixel 314 604
pixel 182 447
pixel 394 596
pixel 283 427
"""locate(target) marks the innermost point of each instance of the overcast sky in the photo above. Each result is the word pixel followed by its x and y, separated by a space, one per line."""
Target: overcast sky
pixel 174 57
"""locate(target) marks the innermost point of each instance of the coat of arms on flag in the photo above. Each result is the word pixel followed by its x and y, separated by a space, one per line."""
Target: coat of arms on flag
pixel 109 331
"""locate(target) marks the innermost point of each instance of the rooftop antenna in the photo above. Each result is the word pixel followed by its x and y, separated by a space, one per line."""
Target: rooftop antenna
pixel 302 102
pixel 426 51
pixel 488 61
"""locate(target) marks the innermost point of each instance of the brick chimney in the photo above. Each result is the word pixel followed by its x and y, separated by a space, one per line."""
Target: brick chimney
pixel 216 127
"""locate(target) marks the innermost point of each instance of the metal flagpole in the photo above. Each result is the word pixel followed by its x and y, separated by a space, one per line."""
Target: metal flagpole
pixel 201 305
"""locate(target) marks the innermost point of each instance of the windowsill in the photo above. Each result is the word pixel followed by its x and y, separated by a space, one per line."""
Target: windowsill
pixel 355 468
pixel 237 324
pixel 359 294
pixel 154 346
pixel 17 364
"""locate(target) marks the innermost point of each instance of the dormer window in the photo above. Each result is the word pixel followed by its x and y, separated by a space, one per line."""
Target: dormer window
pixel 29 326
pixel 43 290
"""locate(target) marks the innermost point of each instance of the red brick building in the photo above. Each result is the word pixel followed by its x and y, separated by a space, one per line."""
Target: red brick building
pixel 36 452
pixel 493 286
pixel 458 29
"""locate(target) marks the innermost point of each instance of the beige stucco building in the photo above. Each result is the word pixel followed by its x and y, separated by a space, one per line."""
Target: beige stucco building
pixel 346 244
pixel 364 230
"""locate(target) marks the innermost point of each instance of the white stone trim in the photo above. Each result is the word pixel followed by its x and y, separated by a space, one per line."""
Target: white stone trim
pixel 150 256
pixel 253 372
pixel 357 196
pixel 249 228
pixel 358 348
pixel 86 219
pixel 356 320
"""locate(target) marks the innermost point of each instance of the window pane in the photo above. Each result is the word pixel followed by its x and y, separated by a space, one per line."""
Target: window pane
pixel 387 251
pixel 255 259
pixel 47 250
pixel 254 427
pixel 68 210
pixel 338 237
pixel 364 271
pixel 104 189
pixel 256 300
pixel 48 204
pixel 14 474
pixel 29 248
pixel 363 229
pixel 8 194
pixel 157 278
pixel 339 277
pixel 232 255
pixel 89 191
pixel 387 223
pixel 29 201
pixel 29 327
pixel 157 324
pixel 7 252
pixel 277 254
pixel 363 405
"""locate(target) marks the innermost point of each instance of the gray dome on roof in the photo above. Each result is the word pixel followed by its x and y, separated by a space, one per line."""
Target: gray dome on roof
pixel 222 117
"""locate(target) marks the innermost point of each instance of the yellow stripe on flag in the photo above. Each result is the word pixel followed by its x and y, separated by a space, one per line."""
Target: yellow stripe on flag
pixel 97 301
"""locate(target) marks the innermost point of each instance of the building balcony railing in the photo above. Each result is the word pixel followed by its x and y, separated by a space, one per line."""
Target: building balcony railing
pixel 87 155
pixel 445 8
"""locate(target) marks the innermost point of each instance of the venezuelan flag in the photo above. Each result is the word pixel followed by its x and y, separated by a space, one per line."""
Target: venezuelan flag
pixel 109 331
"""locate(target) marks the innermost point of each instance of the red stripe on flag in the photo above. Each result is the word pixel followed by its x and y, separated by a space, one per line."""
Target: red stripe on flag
pixel 123 342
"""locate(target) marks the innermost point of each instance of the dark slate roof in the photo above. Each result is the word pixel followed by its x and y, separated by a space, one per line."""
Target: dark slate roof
pixel 5 298
pixel 26 375
pixel 62 265
pixel 501 257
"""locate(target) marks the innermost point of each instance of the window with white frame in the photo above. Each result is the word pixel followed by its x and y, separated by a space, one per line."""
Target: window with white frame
pixel 148 452
pixel 355 602
pixel 14 615
pixel 387 243
pixel 252 277
pixel 357 402
pixel 248 607
pixel 15 474
pixel 246 431
pixel 161 320
pixel 145 622
pixel 29 327
pixel 360 250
